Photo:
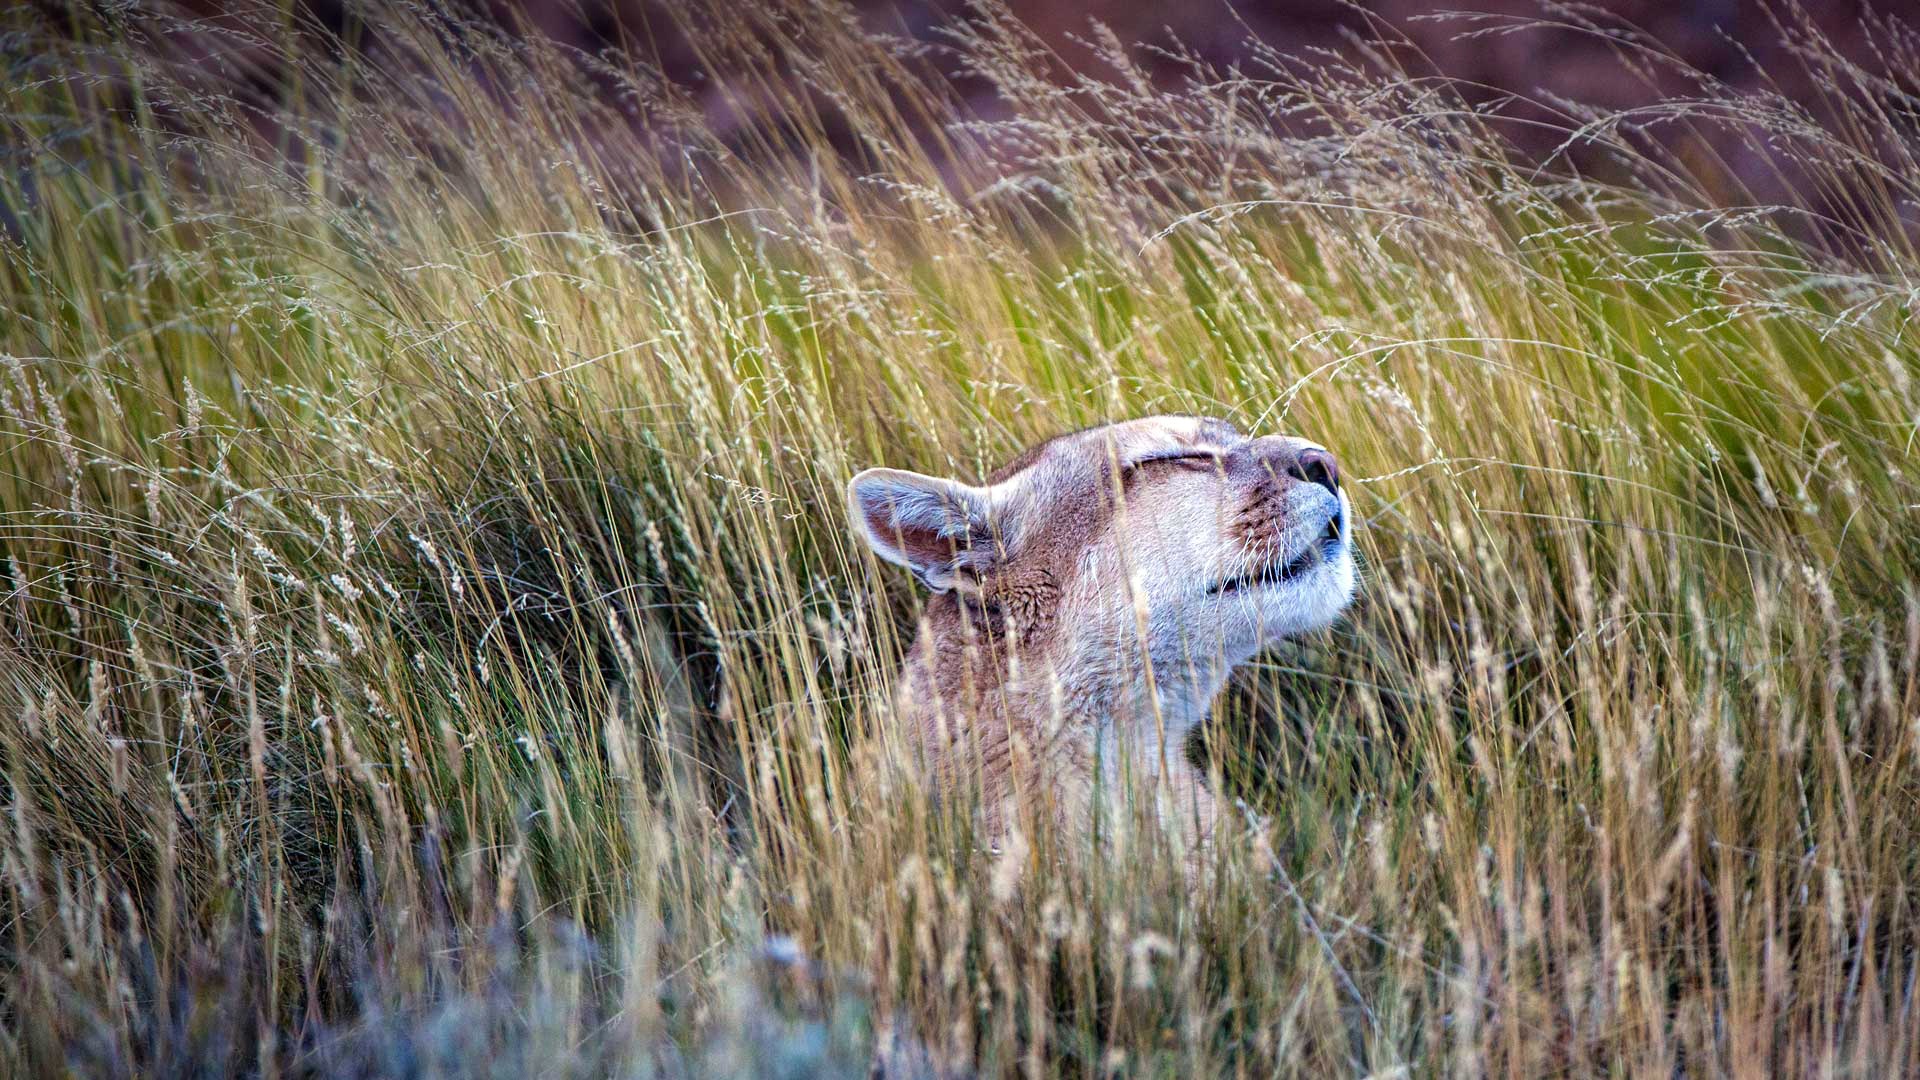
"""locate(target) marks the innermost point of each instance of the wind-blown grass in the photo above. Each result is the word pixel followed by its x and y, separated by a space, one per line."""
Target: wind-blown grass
pixel 432 643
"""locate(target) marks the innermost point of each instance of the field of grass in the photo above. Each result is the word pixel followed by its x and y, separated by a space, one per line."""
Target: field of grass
pixel 432 642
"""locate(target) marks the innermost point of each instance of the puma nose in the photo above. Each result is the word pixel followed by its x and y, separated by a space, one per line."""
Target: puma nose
pixel 1316 466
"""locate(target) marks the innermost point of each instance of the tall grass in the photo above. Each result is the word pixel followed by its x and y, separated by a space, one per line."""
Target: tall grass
pixel 432 644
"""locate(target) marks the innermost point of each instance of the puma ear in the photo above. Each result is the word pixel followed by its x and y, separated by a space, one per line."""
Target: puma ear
pixel 935 528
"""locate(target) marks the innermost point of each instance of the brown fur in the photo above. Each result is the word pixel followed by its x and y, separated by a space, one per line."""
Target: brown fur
pixel 1030 668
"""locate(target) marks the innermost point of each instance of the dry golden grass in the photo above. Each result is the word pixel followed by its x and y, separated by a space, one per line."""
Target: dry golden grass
pixel 432 645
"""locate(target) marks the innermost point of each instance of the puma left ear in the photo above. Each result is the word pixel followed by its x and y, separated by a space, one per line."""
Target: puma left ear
pixel 933 527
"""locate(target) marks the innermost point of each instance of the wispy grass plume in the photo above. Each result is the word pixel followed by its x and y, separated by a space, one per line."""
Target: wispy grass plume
pixel 431 643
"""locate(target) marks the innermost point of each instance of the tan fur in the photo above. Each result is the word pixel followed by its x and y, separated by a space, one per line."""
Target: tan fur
pixel 1078 630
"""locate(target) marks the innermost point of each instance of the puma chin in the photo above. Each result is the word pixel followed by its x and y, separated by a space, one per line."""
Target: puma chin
pixel 1300 581
pixel 1174 538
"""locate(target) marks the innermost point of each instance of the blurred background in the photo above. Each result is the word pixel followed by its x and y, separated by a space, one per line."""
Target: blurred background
pixel 1525 60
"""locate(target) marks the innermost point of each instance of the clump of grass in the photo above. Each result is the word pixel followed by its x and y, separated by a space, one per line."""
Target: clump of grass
pixel 431 643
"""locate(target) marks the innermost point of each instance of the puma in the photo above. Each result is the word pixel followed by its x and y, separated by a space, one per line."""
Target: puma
pixel 1090 600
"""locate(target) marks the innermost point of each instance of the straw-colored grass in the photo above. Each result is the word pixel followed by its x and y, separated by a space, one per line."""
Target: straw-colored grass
pixel 431 641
